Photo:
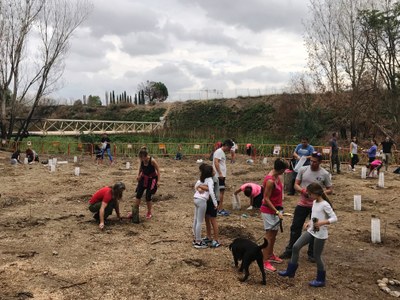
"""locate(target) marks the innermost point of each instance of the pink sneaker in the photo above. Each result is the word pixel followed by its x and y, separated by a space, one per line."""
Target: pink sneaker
pixel 129 216
pixel 275 259
pixel 269 267
pixel 149 215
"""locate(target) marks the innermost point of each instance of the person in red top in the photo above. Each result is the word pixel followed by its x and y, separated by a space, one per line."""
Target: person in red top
pixel 271 211
pixel 105 200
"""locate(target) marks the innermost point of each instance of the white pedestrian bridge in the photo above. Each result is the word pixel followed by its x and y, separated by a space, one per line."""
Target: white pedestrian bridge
pixel 49 127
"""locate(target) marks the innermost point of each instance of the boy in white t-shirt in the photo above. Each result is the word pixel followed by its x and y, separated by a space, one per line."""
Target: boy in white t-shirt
pixel 219 165
pixel 233 151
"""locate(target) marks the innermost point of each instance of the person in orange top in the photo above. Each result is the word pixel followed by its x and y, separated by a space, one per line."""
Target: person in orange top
pixel 104 201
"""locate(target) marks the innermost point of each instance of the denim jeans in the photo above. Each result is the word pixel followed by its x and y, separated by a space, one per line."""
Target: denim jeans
pixel 108 153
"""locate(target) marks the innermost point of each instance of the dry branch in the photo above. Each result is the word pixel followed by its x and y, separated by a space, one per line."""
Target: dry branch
pixel 74 284
pixel 163 241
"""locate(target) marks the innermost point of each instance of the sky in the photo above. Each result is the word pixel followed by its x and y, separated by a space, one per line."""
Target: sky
pixel 198 48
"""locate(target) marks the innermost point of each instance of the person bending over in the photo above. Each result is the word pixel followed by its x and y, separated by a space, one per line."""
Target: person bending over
pixel 254 191
pixel 104 201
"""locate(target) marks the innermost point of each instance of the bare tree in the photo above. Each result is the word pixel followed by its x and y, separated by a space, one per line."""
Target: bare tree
pixel 54 21
pixel 16 21
pixel 356 103
pixel 57 21
pixel 338 58
pixel 381 26
pixel 322 40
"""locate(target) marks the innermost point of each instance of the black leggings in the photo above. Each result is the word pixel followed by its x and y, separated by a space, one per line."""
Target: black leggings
pixel 149 192
pixel 354 160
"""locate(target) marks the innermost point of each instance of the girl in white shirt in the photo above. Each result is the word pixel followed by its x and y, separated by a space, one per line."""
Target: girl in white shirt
pixel 322 215
pixel 200 203
pixel 354 153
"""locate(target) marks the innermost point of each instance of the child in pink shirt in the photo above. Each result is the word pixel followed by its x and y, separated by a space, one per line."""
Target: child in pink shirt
pixel 374 165
pixel 254 191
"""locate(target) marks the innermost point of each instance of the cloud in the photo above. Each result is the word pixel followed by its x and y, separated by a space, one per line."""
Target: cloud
pixel 214 36
pixel 196 69
pixel 84 44
pixel 121 18
pixel 145 44
pixel 262 74
pixel 171 75
pixel 256 15
pixel 189 45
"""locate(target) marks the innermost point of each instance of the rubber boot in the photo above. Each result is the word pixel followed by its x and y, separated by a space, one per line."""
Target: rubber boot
pixel 290 271
pixel 135 214
pixel 320 281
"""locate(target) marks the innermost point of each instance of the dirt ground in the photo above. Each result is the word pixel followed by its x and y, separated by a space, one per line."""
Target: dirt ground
pixel 51 248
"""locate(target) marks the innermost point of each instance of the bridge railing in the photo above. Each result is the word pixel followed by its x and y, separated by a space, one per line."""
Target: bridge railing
pixel 76 127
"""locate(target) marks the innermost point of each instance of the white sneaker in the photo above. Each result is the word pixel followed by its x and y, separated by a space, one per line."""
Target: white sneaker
pixel 250 207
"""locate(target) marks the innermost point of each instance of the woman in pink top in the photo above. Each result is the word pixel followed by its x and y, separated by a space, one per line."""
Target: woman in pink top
pixel 271 211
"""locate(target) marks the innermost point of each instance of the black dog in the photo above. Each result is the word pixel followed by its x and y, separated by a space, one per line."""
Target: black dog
pixel 248 251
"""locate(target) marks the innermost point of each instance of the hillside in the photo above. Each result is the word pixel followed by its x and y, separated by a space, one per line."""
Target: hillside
pixel 281 118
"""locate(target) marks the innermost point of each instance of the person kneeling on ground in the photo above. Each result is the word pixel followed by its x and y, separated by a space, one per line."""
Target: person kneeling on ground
pixel 254 191
pixel 15 157
pixel 99 154
pixel 31 155
pixel 179 155
pixel 104 201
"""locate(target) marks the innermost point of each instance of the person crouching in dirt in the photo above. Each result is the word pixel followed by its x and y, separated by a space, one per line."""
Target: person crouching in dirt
pixel 15 157
pixel 374 165
pixel 31 155
pixel 254 191
pixel 249 150
pixel 104 201
pixel 148 179
pixel 99 154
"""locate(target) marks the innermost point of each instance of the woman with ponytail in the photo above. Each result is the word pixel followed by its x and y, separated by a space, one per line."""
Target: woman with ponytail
pixel 104 201
pixel 322 214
